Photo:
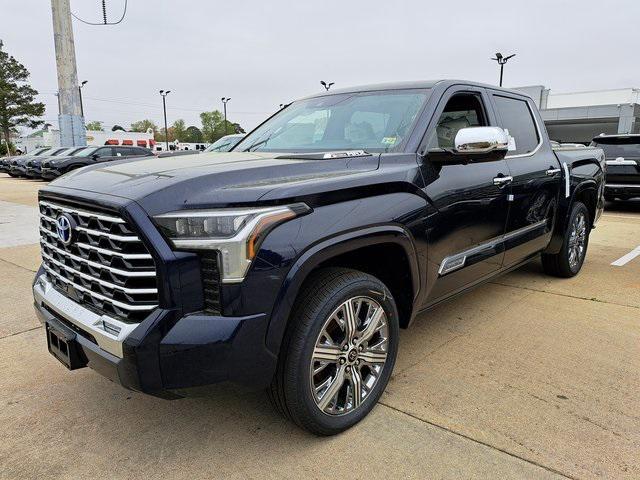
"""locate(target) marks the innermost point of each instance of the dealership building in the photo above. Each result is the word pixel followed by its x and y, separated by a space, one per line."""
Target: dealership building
pixel 580 116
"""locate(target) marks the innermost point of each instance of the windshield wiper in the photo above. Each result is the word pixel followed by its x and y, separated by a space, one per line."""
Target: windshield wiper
pixel 257 144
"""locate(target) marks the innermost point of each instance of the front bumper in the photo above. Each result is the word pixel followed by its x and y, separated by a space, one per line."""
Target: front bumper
pixel 164 352
pixel 18 171
pixel 49 173
pixel 33 172
pixel 626 190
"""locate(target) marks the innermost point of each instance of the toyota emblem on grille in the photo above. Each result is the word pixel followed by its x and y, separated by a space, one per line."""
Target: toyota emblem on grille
pixel 64 227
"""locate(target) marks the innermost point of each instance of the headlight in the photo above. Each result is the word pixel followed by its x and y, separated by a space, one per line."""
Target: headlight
pixel 235 232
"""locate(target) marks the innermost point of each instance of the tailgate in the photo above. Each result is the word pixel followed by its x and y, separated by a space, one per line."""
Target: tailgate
pixel 623 170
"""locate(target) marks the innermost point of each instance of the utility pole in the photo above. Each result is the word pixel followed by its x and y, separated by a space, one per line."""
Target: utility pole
pixel 224 102
pixel 72 130
pixel 164 107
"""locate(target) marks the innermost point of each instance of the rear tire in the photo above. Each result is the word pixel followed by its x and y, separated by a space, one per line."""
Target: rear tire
pixel 332 371
pixel 568 261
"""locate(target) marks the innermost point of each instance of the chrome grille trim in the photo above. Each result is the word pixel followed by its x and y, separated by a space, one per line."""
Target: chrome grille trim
pixel 125 306
pixel 126 256
pixel 83 213
pixel 101 282
pixel 106 267
pixel 121 238
pixel 97 265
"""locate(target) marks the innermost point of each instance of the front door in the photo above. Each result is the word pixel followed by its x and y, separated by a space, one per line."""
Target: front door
pixel 465 234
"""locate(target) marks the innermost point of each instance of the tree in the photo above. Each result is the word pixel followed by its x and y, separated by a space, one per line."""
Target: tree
pixel 193 135
pixel 115 128
pixel 18 107
pixel 212 125
pixel 237 128
pixel 143 126
pixel 179 130
pixel 96 125
pixel 160 136
pixel 4 150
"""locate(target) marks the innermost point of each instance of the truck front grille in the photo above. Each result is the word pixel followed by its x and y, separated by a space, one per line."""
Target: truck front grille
pixel 105 267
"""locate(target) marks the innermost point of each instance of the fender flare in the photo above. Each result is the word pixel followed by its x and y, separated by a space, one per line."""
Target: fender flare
pixel 325 250
pixel 563 212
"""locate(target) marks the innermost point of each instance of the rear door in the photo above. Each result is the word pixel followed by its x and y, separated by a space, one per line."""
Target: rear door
pixel 465 236
pixel 536 177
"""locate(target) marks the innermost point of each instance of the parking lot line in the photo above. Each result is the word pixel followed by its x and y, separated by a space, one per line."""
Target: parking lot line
pixel 627 258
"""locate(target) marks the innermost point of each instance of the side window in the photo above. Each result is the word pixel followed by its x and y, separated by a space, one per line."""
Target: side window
pixel 516 117
pixel 461 111
pixel 103 152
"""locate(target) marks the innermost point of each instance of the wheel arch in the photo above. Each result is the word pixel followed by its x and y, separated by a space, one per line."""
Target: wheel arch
pixel 585 192
pixel 350 250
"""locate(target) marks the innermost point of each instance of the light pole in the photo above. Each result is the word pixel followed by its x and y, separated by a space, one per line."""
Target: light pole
pixel 501 61
pixel 84 82
pixel 326 85
pixel 224 104
pixel 164 94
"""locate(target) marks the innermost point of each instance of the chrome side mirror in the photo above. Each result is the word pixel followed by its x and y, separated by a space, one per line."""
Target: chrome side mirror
pixel 478 140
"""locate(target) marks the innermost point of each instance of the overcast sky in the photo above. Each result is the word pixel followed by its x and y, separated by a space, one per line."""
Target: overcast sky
pixel 263 53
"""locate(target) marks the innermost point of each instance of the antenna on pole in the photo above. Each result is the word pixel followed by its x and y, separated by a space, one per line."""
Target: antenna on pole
pixel 501 61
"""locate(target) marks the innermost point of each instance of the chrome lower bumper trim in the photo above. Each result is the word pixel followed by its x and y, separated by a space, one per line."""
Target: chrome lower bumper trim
pixel 621 185
pixel 108 332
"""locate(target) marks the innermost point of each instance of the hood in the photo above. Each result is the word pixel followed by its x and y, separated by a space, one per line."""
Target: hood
pixel 213 179
pixel 57 158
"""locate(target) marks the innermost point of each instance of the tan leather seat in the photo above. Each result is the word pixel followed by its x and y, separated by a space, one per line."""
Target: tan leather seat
pixel 447 129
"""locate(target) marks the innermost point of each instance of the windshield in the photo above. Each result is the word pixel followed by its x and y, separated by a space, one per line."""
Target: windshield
pixel 223 144
pixel 372 121
pixel 57 151
pixel 67 152
pixel 614 150
pixel 40 152
pixel 85 152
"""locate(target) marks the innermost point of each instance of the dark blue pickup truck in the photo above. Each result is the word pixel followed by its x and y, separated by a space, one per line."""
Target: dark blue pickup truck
pixel 291 262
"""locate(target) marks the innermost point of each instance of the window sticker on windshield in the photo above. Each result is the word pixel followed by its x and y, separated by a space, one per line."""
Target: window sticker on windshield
pixel 389 140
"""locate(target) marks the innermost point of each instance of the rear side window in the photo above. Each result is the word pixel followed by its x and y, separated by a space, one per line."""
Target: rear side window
pixel 516 117
pixel 619 147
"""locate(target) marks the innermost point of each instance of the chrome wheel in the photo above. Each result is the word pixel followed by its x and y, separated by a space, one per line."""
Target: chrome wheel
pixel 577 240
pixel 349 356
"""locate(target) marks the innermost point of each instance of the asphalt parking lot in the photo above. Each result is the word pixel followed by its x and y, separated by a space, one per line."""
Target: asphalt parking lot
pixel 525 377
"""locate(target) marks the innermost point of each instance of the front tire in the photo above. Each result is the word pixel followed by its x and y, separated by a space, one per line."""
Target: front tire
pixel 338 353
pixel 568 261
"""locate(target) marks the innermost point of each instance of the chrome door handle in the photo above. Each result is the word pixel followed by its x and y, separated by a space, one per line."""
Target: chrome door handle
pixel 500 181
pixel 552 171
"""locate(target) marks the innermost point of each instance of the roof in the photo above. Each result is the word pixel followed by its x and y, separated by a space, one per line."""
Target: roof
pixel 419 84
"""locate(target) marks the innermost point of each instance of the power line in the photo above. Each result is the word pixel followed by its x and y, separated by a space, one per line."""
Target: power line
pixel 104 15
pixel 151 105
